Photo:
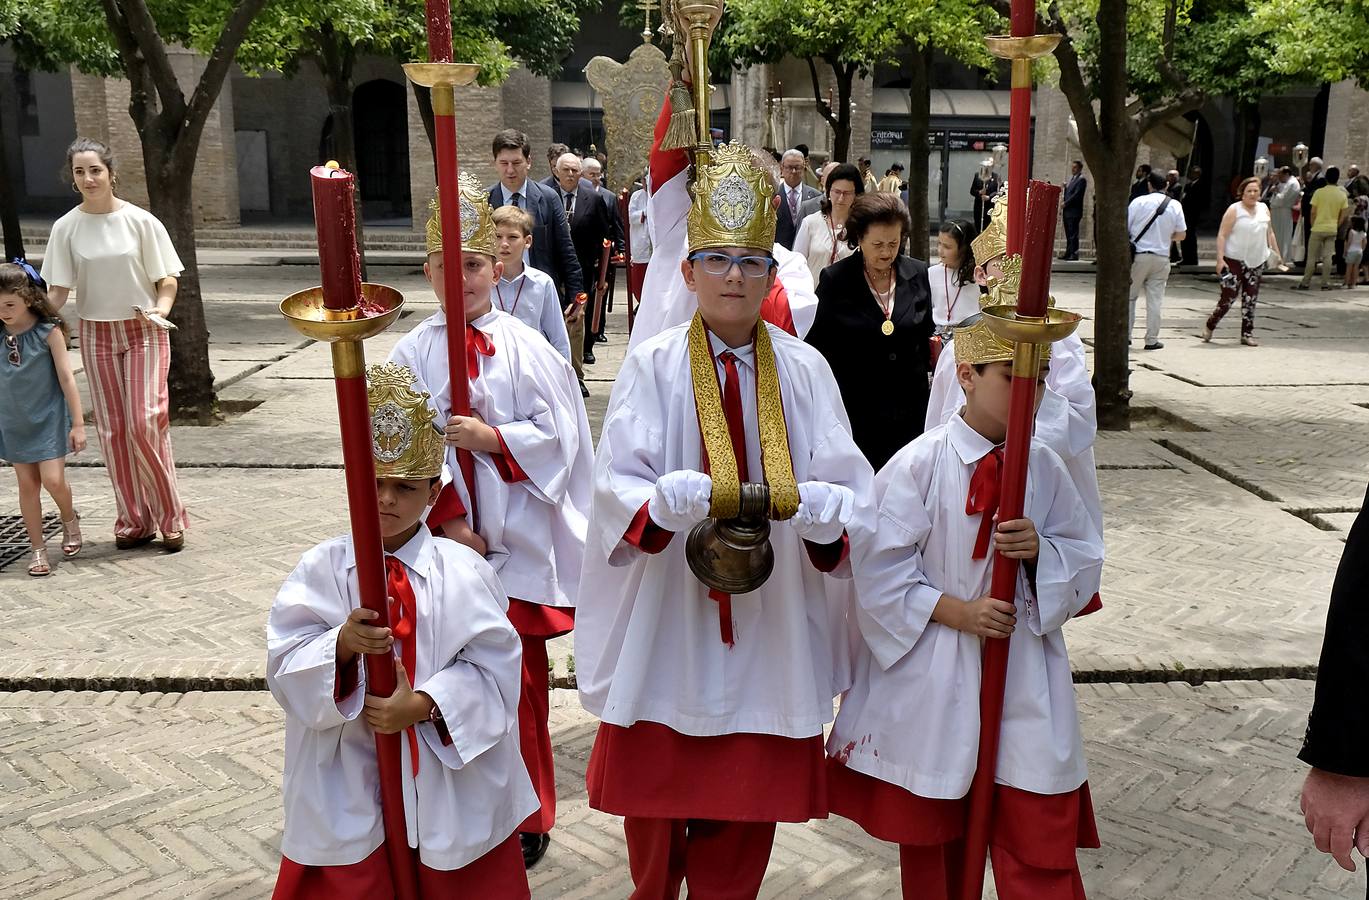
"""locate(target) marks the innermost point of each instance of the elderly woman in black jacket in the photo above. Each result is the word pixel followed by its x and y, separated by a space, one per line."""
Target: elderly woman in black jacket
pixel 873 326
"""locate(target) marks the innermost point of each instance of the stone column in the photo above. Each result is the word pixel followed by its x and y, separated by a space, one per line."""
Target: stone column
pixel 1347 132
pixel 749 89
pixel 101 106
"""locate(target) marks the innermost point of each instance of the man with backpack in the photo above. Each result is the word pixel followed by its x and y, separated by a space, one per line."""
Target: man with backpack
pixel 1154 220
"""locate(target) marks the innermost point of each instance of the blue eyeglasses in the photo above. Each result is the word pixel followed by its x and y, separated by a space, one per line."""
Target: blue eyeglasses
pixel 715 263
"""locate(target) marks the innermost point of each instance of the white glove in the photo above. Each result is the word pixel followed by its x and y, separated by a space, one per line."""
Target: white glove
pixel 824 511
pixel 681 500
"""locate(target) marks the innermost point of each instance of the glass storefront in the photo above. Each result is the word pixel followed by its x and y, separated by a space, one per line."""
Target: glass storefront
pixel 954 154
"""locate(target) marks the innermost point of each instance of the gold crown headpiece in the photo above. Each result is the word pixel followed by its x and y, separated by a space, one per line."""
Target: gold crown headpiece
pixel 732 204
pixel 992 244
pixel 976 344
pixel 477 219
pixel 404 441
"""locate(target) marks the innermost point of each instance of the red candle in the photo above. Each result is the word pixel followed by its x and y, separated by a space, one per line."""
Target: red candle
pixel 1023 18
pixel 1037 247
pixel 439 30
pixel 336 224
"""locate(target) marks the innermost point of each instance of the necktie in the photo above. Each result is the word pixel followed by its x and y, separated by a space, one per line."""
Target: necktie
pixel 403 614
pixel 569 198
pixel 793 204
pixel 477 345
pixel 736 430
pixel 982 498
pixel 517 197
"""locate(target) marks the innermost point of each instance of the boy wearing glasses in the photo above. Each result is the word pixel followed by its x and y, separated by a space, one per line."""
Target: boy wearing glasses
pixel 713 704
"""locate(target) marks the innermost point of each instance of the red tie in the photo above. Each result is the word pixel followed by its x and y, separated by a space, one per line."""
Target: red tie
pixel 403 614
pixel 983 498
pixel 477 345
pixel 736 430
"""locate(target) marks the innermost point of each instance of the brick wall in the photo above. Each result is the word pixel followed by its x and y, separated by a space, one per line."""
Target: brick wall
pixel 101 106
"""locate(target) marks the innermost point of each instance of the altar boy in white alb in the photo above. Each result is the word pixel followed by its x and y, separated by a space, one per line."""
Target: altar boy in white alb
pixel 713 704
pixel 457 666
pixel 533 456
pixel 903 749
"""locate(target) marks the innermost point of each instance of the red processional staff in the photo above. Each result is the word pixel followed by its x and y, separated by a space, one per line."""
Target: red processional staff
pixel 601 288
pixel 443 76
pixel 343 312
pixel 1030 326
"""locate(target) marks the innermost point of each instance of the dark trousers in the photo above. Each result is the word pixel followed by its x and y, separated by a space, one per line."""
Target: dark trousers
pixel 1072 221
pixel 1189 247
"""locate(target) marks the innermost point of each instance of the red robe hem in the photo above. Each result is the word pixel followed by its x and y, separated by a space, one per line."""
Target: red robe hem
pixel 652 771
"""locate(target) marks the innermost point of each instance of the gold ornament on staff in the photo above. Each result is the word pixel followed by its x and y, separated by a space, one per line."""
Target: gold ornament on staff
pixel 693 24
pixel 631 94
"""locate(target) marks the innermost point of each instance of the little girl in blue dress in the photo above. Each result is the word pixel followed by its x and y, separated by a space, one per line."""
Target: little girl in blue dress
pixel 40 407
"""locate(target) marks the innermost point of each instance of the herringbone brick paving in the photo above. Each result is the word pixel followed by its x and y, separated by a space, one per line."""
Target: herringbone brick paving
pixel 177 795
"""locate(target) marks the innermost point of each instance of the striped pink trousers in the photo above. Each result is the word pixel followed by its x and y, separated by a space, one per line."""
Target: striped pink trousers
pixel 126 364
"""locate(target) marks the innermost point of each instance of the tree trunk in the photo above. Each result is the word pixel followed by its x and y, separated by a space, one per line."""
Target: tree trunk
pixel 1108 140
pixel 424 98
pixel 9 208
pixel 337 81
pixel 841 139
pixel 919 117
pixel 171 198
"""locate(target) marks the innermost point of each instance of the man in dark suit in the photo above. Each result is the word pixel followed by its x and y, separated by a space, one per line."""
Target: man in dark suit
pixel 793 193
pixel 592 171
pixel 590 225
pixel 552 250
pixel 983 191
pixel 1194 201
pixel 1073 208
pixel 1335 796
pixel 555 152
pixel 1141 186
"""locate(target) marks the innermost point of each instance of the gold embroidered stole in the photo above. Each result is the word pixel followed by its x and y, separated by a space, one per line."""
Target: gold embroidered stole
pixel 722 462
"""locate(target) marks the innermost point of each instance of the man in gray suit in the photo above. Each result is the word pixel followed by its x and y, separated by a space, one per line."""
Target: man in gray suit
pixel 793 193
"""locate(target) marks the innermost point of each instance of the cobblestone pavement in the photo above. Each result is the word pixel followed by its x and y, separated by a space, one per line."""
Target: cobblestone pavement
pixel 178 796
pixel 1226 506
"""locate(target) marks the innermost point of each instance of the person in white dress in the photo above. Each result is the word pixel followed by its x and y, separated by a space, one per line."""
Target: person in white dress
pixel 456 660
pixel 533 459
pixel 903 749
pixel 955 292
pixel 713 704
pixel 821 239
pixel 1283 197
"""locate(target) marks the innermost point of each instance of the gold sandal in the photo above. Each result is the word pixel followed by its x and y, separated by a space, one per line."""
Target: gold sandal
pixel 40 565
pixel 71 536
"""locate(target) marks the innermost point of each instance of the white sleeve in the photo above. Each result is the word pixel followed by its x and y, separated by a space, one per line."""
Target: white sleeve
pixel 1067 420
pixel 946 395
pixel 301 644
pixel 630 459
pixel 59 266
pixel 477 691
pixel 548 435
pixel 553 324
pixel 159 256
pixel 1069 565
pixel 895 601
pixel 804 238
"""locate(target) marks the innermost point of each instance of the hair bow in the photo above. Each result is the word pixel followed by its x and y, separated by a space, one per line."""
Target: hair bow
pixel 34 278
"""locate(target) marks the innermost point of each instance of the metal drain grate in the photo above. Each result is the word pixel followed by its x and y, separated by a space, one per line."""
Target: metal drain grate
pixel 14 540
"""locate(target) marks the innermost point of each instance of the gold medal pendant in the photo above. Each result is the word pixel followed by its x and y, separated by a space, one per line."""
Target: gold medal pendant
pixel 887 327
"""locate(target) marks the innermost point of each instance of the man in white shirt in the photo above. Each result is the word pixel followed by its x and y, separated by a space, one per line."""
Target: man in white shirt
pixel 1154 220
pixel 639 240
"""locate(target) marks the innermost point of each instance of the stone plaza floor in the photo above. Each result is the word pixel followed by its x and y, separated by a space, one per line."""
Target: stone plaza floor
pixel 140 756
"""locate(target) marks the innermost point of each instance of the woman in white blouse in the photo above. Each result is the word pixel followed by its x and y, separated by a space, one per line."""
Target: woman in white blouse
pixel 955 294
pixel 1245 241
pixel 821 239
pixel 120 262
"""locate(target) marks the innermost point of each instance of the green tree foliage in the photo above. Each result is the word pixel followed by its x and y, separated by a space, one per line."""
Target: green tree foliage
pixel 1326 41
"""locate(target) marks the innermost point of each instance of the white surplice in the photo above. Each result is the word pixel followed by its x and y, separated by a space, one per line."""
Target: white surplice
pixel 469 795
pixel 911 717
pixel 667 302
pixel 1066 420
pixel 535 528
pixel 648 643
